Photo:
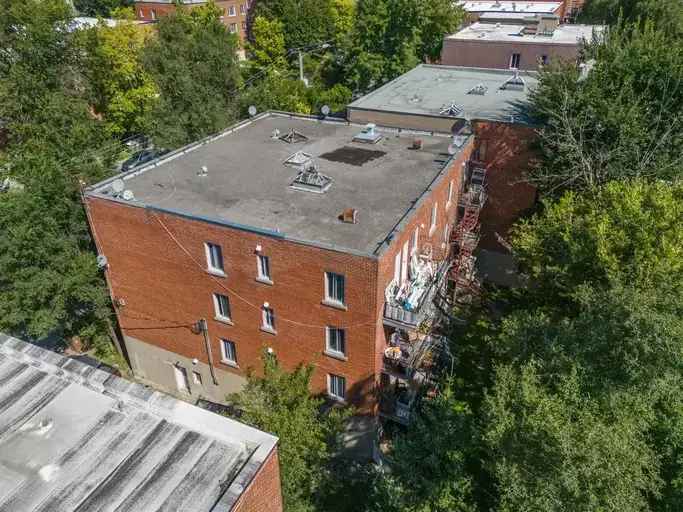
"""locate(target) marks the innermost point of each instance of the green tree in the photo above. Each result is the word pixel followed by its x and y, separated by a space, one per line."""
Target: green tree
pixel 194 65
pixel 280 402
pixel 623 120
pixel 49 282
pixel 554 448
pixel 665 13
pixel 267 48
pixel 104 8
pixel 429 463
pixel 626 231
pixel 123 92
pixel 438 19
pixel 304 22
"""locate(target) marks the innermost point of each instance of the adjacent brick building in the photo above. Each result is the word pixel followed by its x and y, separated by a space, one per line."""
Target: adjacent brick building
pixel 526 45
pixel 253 230
pixel 234 12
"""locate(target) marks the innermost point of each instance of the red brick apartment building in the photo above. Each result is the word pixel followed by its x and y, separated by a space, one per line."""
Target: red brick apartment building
pixel 525 44
pixel 78 438
pixel 234 12
pixel 284 233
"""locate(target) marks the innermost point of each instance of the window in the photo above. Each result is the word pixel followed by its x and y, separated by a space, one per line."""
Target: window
pixel 153 13
pixel 243 9
pixel 268 319
pixel 404 262
pixel 214 258
pixel 181 379
pixel 231 11
pixel 480 152
pixel 446 233
pixel 416 239
pixel 432 223
pixel 221 305
pixel 263 268
pixel 336 386
pixel 244 25
pixel 334 288
pixel 450 194
pixel 141 14
pixel 515 60
pixel 336 341
pixel 228 352
pixel 397 268
pixel 233 28
pixel 544 60
pixel 197 378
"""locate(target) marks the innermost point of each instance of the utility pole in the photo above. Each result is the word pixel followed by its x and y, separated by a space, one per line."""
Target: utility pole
pixel 204 328
pixel 301 69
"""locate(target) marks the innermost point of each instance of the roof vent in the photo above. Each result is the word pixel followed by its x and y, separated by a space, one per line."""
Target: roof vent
pixel 514 83
pixel 310 180
pixel 368 135
pixel 293 136
pixel 452 110
pixel 349 216
pixel 479 89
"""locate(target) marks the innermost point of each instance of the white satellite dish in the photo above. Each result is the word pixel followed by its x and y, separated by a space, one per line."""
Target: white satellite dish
pixel 128 195
pixel 451 150
pixel 325 110
pixel 117 186
pixel 252 110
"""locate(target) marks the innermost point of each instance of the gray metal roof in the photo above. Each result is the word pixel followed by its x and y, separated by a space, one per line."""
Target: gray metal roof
pixel 248 185
pixel 562 35
pixel 427 89
pixel 76 438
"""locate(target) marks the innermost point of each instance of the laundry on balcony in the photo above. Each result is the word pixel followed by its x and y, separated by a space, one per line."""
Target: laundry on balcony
pixel 410 293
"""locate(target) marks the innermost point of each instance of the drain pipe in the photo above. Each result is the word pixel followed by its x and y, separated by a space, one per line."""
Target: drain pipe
pixel 204 327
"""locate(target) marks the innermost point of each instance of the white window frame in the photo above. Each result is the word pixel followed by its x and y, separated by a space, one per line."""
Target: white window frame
pixel 329 299
pixel 446 233
pixel 331 391
pixel 513 59
pixel 210 267
pixel 434 218
pixel 243 9
pixel 232 11
pixel 416 240
pixel 268 319
pixel 397 268
pixel 404 261
pixel 449 201
pixel 233 28
pixel 329 349
pixel 226 357
pixel 217 308
pixel 263 269
pixel 197 378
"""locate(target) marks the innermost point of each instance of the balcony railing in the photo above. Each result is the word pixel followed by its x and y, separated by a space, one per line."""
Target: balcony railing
pixel 397 406
pixel 408 306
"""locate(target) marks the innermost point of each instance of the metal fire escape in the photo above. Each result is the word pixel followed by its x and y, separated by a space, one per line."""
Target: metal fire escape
pixel 465 237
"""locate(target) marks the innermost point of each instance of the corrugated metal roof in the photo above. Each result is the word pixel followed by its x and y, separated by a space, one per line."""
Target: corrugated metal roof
pixel 74 438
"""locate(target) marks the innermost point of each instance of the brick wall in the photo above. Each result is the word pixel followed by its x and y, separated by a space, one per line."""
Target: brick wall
pixel 162 288
pixel 150 11
pixel 263 493
pixel 446 215
pixel 506 150
pixel 492 54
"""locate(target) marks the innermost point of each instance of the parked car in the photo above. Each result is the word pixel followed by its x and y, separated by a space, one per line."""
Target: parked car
pixel 141 158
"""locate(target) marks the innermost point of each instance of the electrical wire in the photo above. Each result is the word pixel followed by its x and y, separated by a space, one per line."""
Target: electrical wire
pixel 234 293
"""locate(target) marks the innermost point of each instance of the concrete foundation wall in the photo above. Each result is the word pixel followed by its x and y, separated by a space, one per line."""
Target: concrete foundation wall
pixel 155 365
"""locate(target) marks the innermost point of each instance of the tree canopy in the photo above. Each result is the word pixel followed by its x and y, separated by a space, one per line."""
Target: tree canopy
pixel 280 402
pixel 624 119
pixel 193 63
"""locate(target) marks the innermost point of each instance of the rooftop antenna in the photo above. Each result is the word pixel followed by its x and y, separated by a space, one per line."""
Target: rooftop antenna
pixel 252 110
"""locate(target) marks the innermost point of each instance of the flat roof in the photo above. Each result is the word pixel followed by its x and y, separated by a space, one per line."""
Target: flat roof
pixel 247 183
pixel 519 7
pixel 73 437
pixel 426 89
pixel 563 34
